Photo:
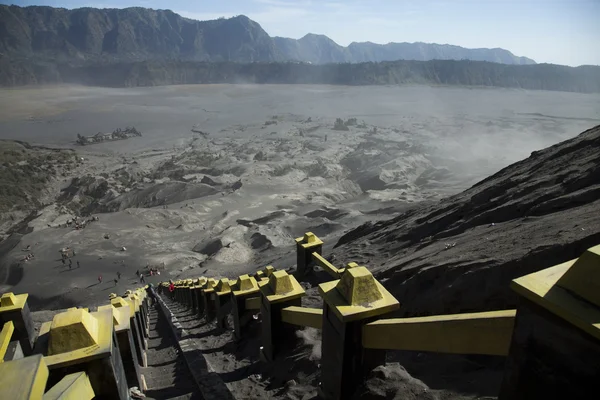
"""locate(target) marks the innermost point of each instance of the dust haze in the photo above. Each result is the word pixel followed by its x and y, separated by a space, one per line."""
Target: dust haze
pixel 225 176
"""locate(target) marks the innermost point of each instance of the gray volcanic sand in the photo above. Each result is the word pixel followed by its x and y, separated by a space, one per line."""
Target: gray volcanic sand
pixel 429 142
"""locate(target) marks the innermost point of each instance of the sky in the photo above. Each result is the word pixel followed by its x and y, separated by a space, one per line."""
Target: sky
pixel 563 32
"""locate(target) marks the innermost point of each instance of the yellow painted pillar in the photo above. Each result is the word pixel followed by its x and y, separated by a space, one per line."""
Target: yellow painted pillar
pixel 187 300
pixel 349 303
pixel 73 386
pixel 305 246
pixel 23 379
pixel 208 295
pixel 555 347
pixel 194 293
pixel 77 340
pixel 222 302
pixel 199 295
pixel 138 337
pixel 15 308
pixel 246 287
pixel 278 292
pixel 123 330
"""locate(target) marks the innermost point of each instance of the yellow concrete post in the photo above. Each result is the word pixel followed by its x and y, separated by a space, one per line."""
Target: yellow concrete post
pixel 122 324
pixel 77 340
pixel 280 291
pixel 305 247
pixel 135 304
pixel 354 300
pixel 23 379
pixel 208 295
pixel 193 296
pixel 557 327
pixel 246 288
pixel 199 296
pixel 15 308
pixel 75 386
pixel 187 293
pixel 138 337
pixel 222 302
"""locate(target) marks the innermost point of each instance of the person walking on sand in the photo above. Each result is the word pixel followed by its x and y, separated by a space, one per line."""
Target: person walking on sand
pixel 99 278
pixel 142 280
pixel 78 264
pixel 116 280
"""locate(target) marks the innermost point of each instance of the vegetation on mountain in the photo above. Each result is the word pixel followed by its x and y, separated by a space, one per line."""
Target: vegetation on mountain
pixel 585 79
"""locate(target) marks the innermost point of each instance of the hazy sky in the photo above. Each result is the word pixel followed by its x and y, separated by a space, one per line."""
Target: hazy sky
pixel 555 31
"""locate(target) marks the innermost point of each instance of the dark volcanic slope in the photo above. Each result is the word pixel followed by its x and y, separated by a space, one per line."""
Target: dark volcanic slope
pixel 461 253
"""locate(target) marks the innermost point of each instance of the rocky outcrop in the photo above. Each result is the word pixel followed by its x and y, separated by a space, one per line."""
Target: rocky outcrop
pixel 209 248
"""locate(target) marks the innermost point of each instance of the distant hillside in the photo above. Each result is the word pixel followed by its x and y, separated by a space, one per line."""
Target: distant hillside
pixel 138 34
pixel 362 52
pixel 319 49
pixel 584 79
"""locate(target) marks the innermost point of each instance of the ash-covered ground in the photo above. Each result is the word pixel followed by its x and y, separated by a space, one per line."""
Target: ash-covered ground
pixel 225 176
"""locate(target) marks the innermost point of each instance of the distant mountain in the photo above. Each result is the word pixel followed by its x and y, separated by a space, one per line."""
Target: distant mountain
pixel 138 34
pixel 363 52
pixel 317 49
pixel 130 34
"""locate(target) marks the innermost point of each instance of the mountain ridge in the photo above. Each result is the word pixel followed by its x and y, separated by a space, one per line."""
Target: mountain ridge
pixel 138 34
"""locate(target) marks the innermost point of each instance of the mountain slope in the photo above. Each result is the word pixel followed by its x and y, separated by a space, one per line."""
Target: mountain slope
pixel 135 34
pixel 461 253
pixel 129 34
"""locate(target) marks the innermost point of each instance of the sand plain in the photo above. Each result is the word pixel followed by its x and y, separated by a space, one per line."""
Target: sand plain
pixel 172 198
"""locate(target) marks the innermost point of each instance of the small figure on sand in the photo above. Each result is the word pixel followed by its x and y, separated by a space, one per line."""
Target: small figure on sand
pixel 99 278
pixel 116 281
pixel 70 263
pixel 78 264
pixel 142 280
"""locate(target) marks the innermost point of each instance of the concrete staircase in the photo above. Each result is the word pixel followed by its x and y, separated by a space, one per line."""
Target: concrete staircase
pixel 167 375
